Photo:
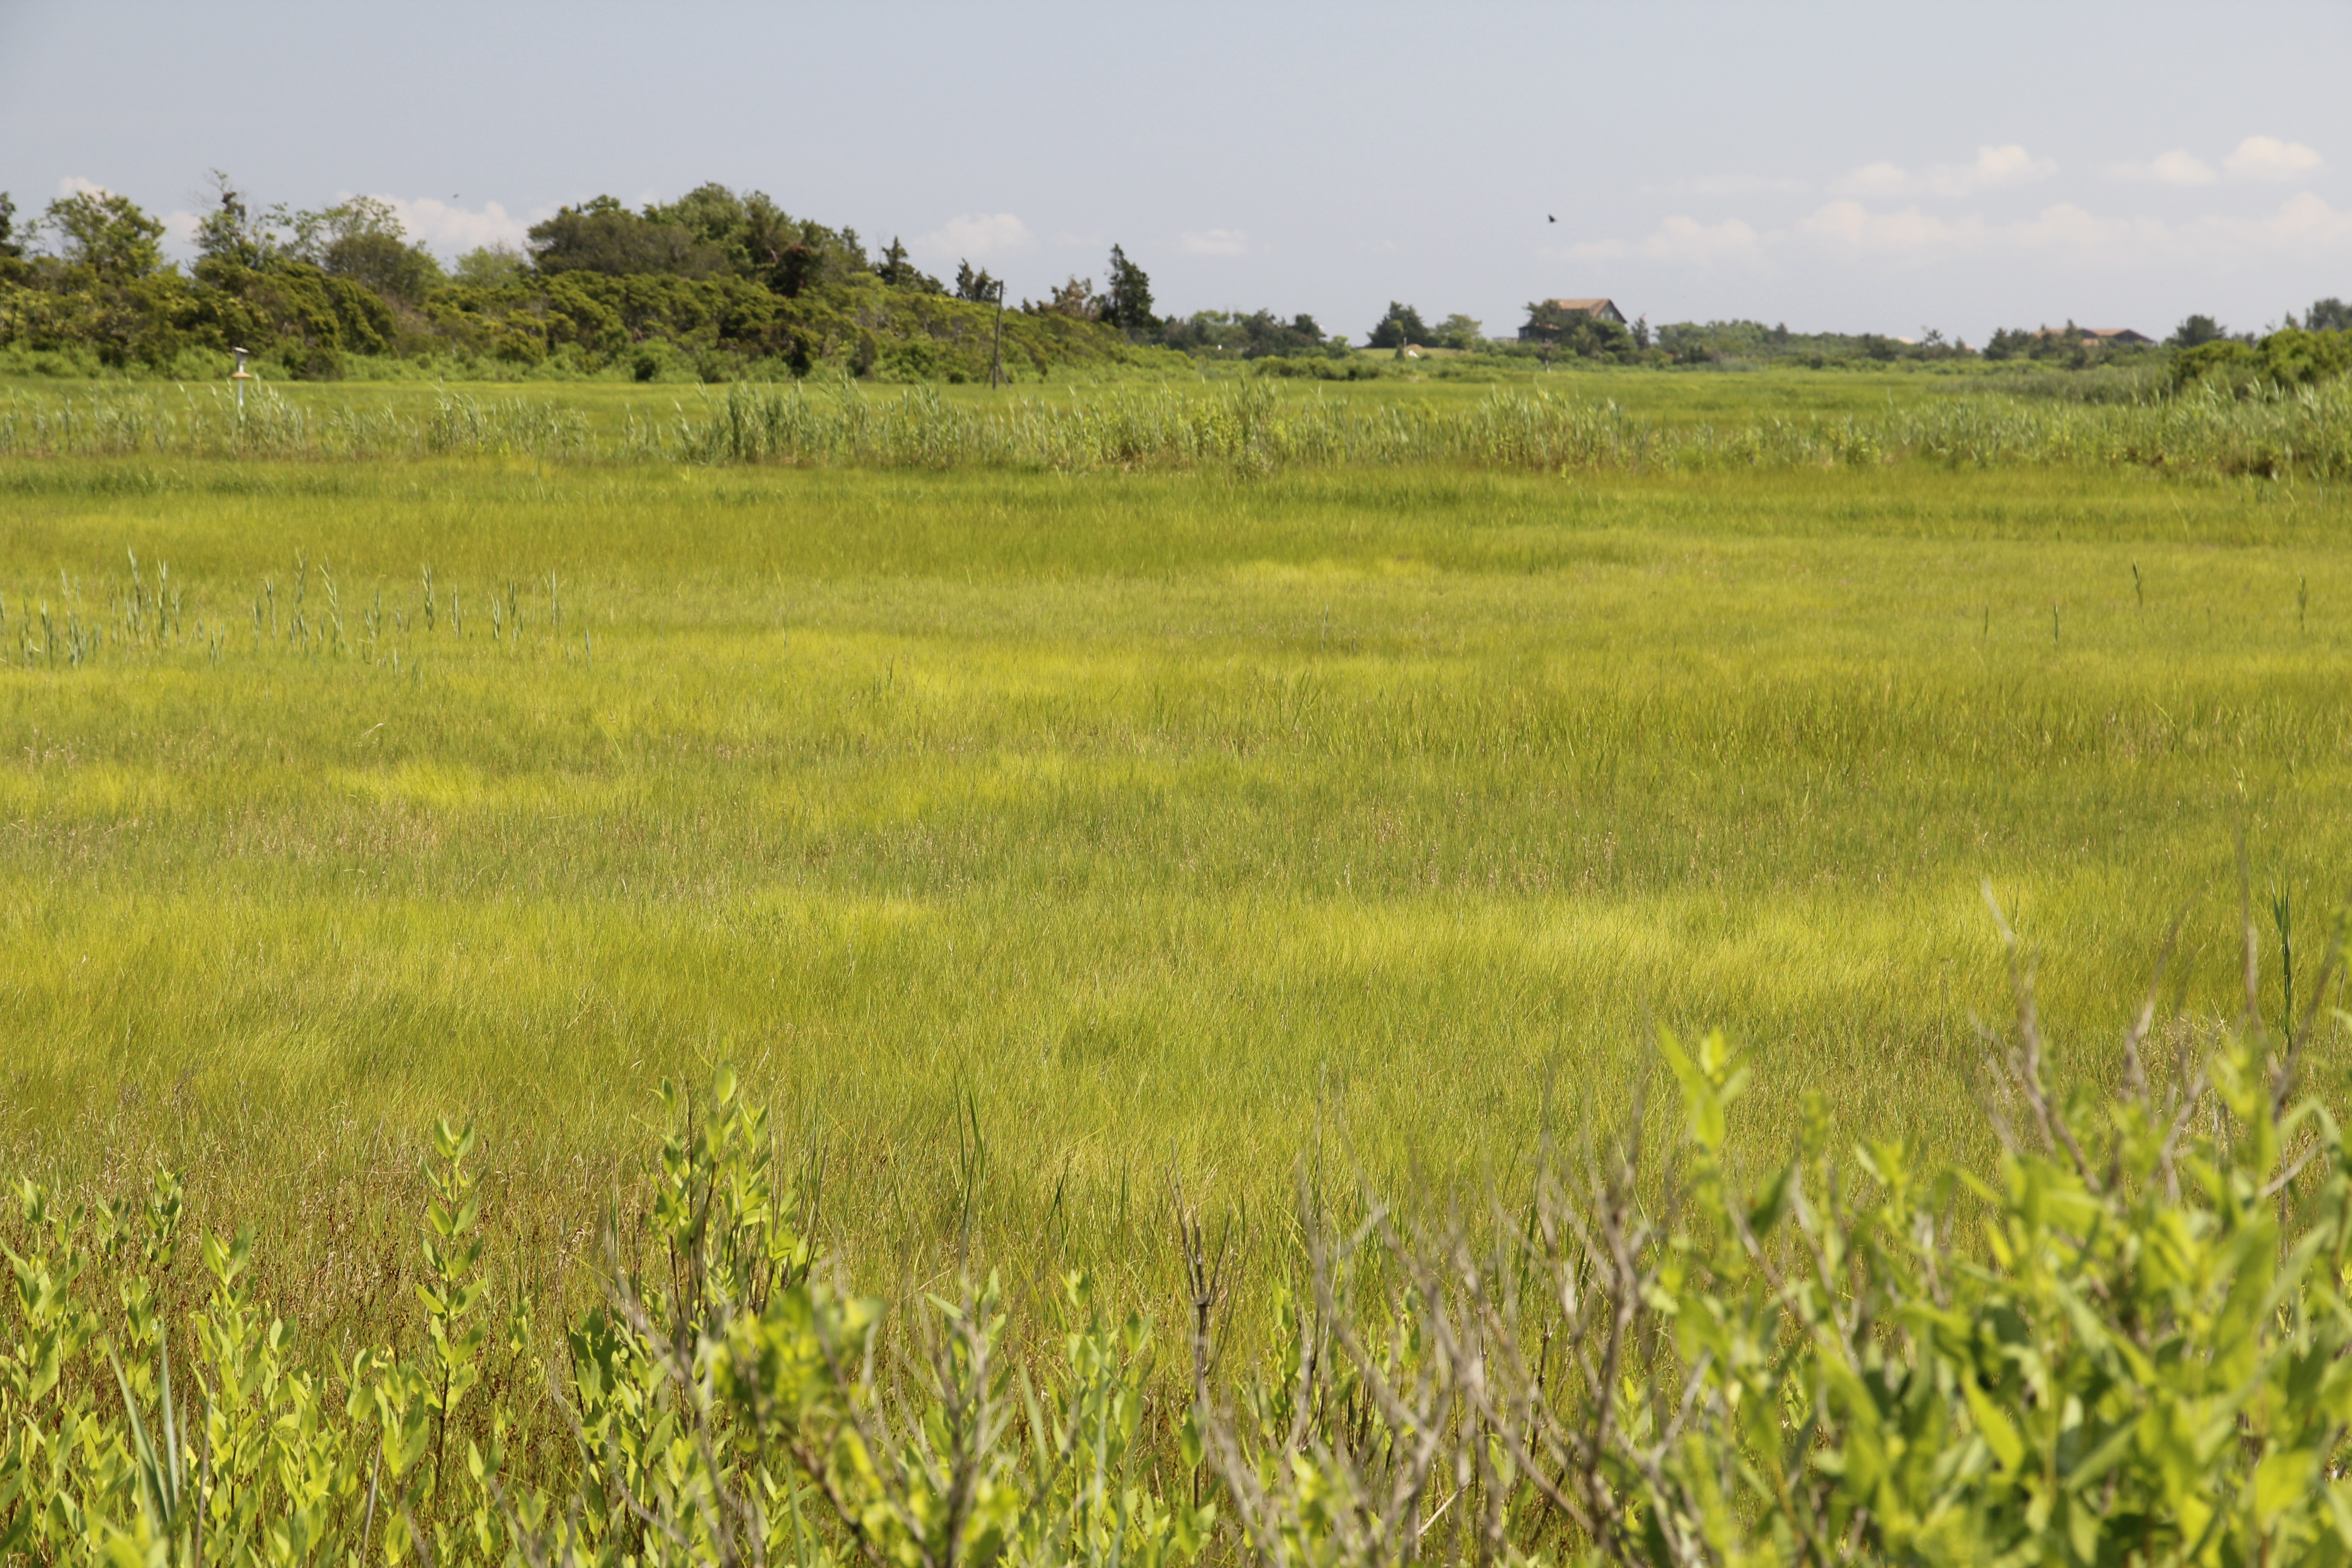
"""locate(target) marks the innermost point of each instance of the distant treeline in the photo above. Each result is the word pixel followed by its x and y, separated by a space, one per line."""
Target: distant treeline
pixel 2295 353
pixel 2198 352
pixel 718 286
pixel 712 286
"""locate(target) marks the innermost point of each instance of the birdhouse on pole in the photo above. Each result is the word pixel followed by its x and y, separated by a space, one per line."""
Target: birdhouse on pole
pixel 240 376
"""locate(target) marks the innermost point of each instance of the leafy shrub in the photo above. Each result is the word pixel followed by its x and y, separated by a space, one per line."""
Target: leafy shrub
pixel 1319 368
pixel 2287 358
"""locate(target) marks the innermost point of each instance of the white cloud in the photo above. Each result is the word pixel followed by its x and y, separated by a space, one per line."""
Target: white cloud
pixel 1738 185
pixel 1848 226
pixel 2178 167
pixel 1678 239
pixel 1214 242
pixel 2304 225
pixel 1996 167
pixel 76 186
pixel 2064 231
pixel 2061 237
pixel 1880 179
pixel 977 237
pixel 1992 169
pixel 2255 158
pixel 2268 158
pixel 2068 235
pixel 453 230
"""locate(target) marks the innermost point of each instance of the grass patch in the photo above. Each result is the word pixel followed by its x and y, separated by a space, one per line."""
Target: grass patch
pixel 1362 821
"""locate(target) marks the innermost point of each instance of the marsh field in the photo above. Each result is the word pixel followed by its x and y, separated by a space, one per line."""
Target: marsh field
pixel 1035 836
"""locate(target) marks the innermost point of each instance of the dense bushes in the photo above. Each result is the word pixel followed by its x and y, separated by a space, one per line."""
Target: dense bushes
pixel 713 286
pixel 1258 335
pixel 302 321
pixel 2285 360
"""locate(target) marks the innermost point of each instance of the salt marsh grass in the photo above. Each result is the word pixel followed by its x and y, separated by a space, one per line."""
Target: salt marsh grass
pixel 1251 426
pixel 1229 822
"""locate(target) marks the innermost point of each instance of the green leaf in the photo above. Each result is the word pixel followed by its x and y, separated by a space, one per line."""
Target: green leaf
pixel 2284 1477
pixel 1774 1202
pixel 1995 1427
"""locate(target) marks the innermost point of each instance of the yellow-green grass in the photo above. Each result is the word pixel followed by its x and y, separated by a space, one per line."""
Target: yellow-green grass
pixel 1029 840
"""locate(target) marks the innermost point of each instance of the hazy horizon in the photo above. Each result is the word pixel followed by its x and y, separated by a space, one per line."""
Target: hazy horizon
pixel 1836 167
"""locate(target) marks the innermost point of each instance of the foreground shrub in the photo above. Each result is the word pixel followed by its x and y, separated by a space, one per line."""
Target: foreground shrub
pixel 2124 1345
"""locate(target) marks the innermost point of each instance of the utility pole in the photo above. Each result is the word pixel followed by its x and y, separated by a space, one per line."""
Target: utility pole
pixel 996 352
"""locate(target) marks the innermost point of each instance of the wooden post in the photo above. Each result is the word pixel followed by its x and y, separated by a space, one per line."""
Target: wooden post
pixel 996 352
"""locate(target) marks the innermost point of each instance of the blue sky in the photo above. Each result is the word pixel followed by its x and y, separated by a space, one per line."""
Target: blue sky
pixel 1869 167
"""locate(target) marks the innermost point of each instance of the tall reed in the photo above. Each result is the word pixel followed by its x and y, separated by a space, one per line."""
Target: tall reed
pixel 1250 425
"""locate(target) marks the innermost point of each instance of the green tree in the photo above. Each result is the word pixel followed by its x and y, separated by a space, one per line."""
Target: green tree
pixel 1402 325
pixel 230 233
pixel 747 229
pixel 2006 342
pixel 385 263
pixel 1075 298
pixel 975 286
pixel 895 270
pixel 2196 331
pixel 602 235
pixel 364 239
pixel 1460 331
pixel 489 266
pixel 12 249
pixel 758 240
pixel 1128 304
pixel 1229 335
pixel 2329 315
pixel 108 234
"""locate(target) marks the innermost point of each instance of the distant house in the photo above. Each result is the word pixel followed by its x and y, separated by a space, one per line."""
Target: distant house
pixel 1598 309
pixel 2097 337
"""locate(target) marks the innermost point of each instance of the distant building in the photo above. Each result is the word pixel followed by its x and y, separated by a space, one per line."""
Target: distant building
pixel 1599 310
pixel 2096 337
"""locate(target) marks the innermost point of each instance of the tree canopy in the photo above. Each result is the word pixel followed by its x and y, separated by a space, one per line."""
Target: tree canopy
pixel 602 235
pixel 1127 303
pixel 108 234
pixel 1402 325
pixel 2196 331
pixel 2329 315
pixel 977 287
pixel 1260 334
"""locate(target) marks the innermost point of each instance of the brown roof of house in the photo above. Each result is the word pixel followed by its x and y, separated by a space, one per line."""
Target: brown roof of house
pixel 1588 306
pixel 2125 334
